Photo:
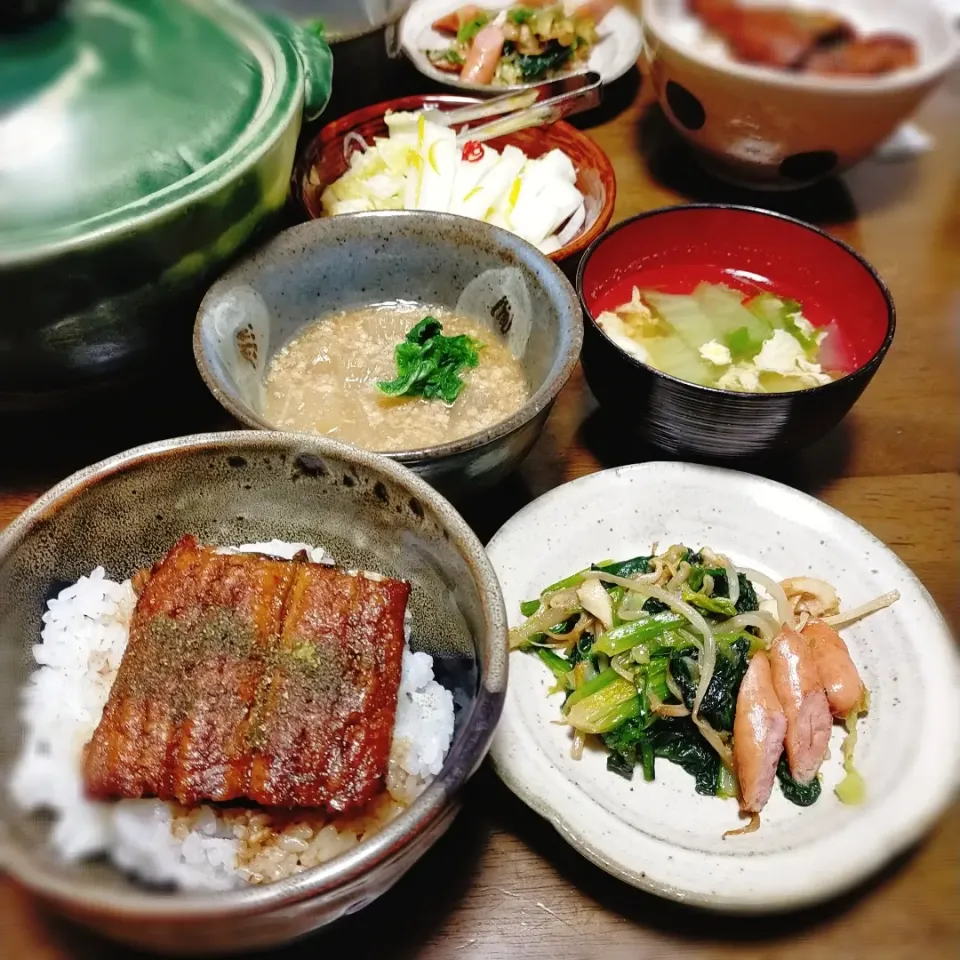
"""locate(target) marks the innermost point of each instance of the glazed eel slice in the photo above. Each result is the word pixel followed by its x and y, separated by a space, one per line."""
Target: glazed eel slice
pixel 251 678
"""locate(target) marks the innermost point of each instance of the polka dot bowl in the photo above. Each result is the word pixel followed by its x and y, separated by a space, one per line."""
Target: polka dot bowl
pixel 676 248
pixel 780 130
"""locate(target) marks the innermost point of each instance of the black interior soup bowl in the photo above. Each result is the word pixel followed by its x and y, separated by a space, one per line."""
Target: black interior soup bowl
pixel 675 248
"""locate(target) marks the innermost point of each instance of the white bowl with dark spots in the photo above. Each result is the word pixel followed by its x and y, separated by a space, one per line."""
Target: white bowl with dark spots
pixel 662 836
pixel 777 129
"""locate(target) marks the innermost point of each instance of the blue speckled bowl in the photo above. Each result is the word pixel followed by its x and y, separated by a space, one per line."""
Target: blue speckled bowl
pixel 355 260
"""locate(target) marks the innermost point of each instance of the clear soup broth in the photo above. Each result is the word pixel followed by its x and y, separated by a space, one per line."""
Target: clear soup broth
pixel 325 381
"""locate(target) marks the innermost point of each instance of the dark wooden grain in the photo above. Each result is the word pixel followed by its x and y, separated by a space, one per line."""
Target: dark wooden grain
pixel 503 882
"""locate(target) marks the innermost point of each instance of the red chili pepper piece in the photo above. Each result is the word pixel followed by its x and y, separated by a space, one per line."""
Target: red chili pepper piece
pixel 472 151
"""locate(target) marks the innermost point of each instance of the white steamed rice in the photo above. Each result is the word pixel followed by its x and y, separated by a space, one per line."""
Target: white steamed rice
pixel 84 635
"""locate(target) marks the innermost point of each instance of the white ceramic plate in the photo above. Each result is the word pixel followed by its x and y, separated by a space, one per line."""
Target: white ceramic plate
pixel 662 836
pixel 621 40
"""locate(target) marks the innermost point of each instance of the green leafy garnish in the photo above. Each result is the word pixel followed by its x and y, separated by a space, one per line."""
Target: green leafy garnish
pixel 451 56
pixel 429 364
pixel 471 28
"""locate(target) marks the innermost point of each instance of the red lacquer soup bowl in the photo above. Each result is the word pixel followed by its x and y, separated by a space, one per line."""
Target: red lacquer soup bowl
pixel 676 248
pixel 324 160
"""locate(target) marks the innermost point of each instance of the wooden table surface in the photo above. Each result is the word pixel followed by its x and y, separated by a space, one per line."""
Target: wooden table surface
pixel 502 881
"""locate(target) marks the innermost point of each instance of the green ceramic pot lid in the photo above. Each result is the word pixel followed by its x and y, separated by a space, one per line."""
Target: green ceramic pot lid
pixel 114 111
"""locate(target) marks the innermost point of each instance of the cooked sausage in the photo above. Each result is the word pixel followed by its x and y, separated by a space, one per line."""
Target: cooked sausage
pixel 484 55
pixel 840 678
pixel 759 727
pixel 770 36
pixel 774 38
pixel 869 56
pixel 596 10
pixel 452 22
pixel 799 689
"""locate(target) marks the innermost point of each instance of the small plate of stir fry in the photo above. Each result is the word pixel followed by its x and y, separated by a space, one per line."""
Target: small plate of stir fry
pixel 496 46
pixel 736 716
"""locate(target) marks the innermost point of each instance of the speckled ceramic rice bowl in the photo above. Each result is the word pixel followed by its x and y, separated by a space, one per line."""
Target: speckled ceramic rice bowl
pixel 154 874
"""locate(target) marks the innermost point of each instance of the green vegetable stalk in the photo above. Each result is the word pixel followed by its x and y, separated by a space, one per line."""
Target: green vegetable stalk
pixel 591 687
pixel 636 633
pixel 606 709
pixel 429 364
pixel 559 666
pixel 718 605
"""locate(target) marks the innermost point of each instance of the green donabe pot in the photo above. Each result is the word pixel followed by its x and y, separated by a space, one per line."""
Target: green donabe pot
pixel 142 144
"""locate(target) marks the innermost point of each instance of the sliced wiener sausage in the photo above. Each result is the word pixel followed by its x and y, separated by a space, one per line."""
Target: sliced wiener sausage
pixel 799 689
pixel 759 728
pixel 839 675
pixel 485 52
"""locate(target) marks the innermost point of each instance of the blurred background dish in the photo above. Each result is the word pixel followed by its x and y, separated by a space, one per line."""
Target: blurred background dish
pixel 327 157
pixel 619 41
pixel 675 249
pixel 778 129
pixel 341 20
pixel 231 488
pixel 431 263
pixel 363 36
pixel 142 144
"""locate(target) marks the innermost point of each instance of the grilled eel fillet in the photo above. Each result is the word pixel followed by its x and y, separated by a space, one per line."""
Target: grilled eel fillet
pixel 247 677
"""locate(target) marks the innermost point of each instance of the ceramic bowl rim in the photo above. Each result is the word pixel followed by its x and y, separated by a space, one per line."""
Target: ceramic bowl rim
pixel 568 355
pixel 866 369
pixel 655 23
pixel 599 161
pixel 367 858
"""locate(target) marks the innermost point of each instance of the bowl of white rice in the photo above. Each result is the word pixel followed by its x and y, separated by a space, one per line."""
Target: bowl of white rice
pixel 214 878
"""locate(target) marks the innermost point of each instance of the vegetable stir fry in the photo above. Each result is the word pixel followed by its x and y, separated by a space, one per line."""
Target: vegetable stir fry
pixel 525 43
pixel 677 656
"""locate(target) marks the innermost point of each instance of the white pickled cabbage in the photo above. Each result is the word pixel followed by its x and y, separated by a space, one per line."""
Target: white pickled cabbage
pixel 420 167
